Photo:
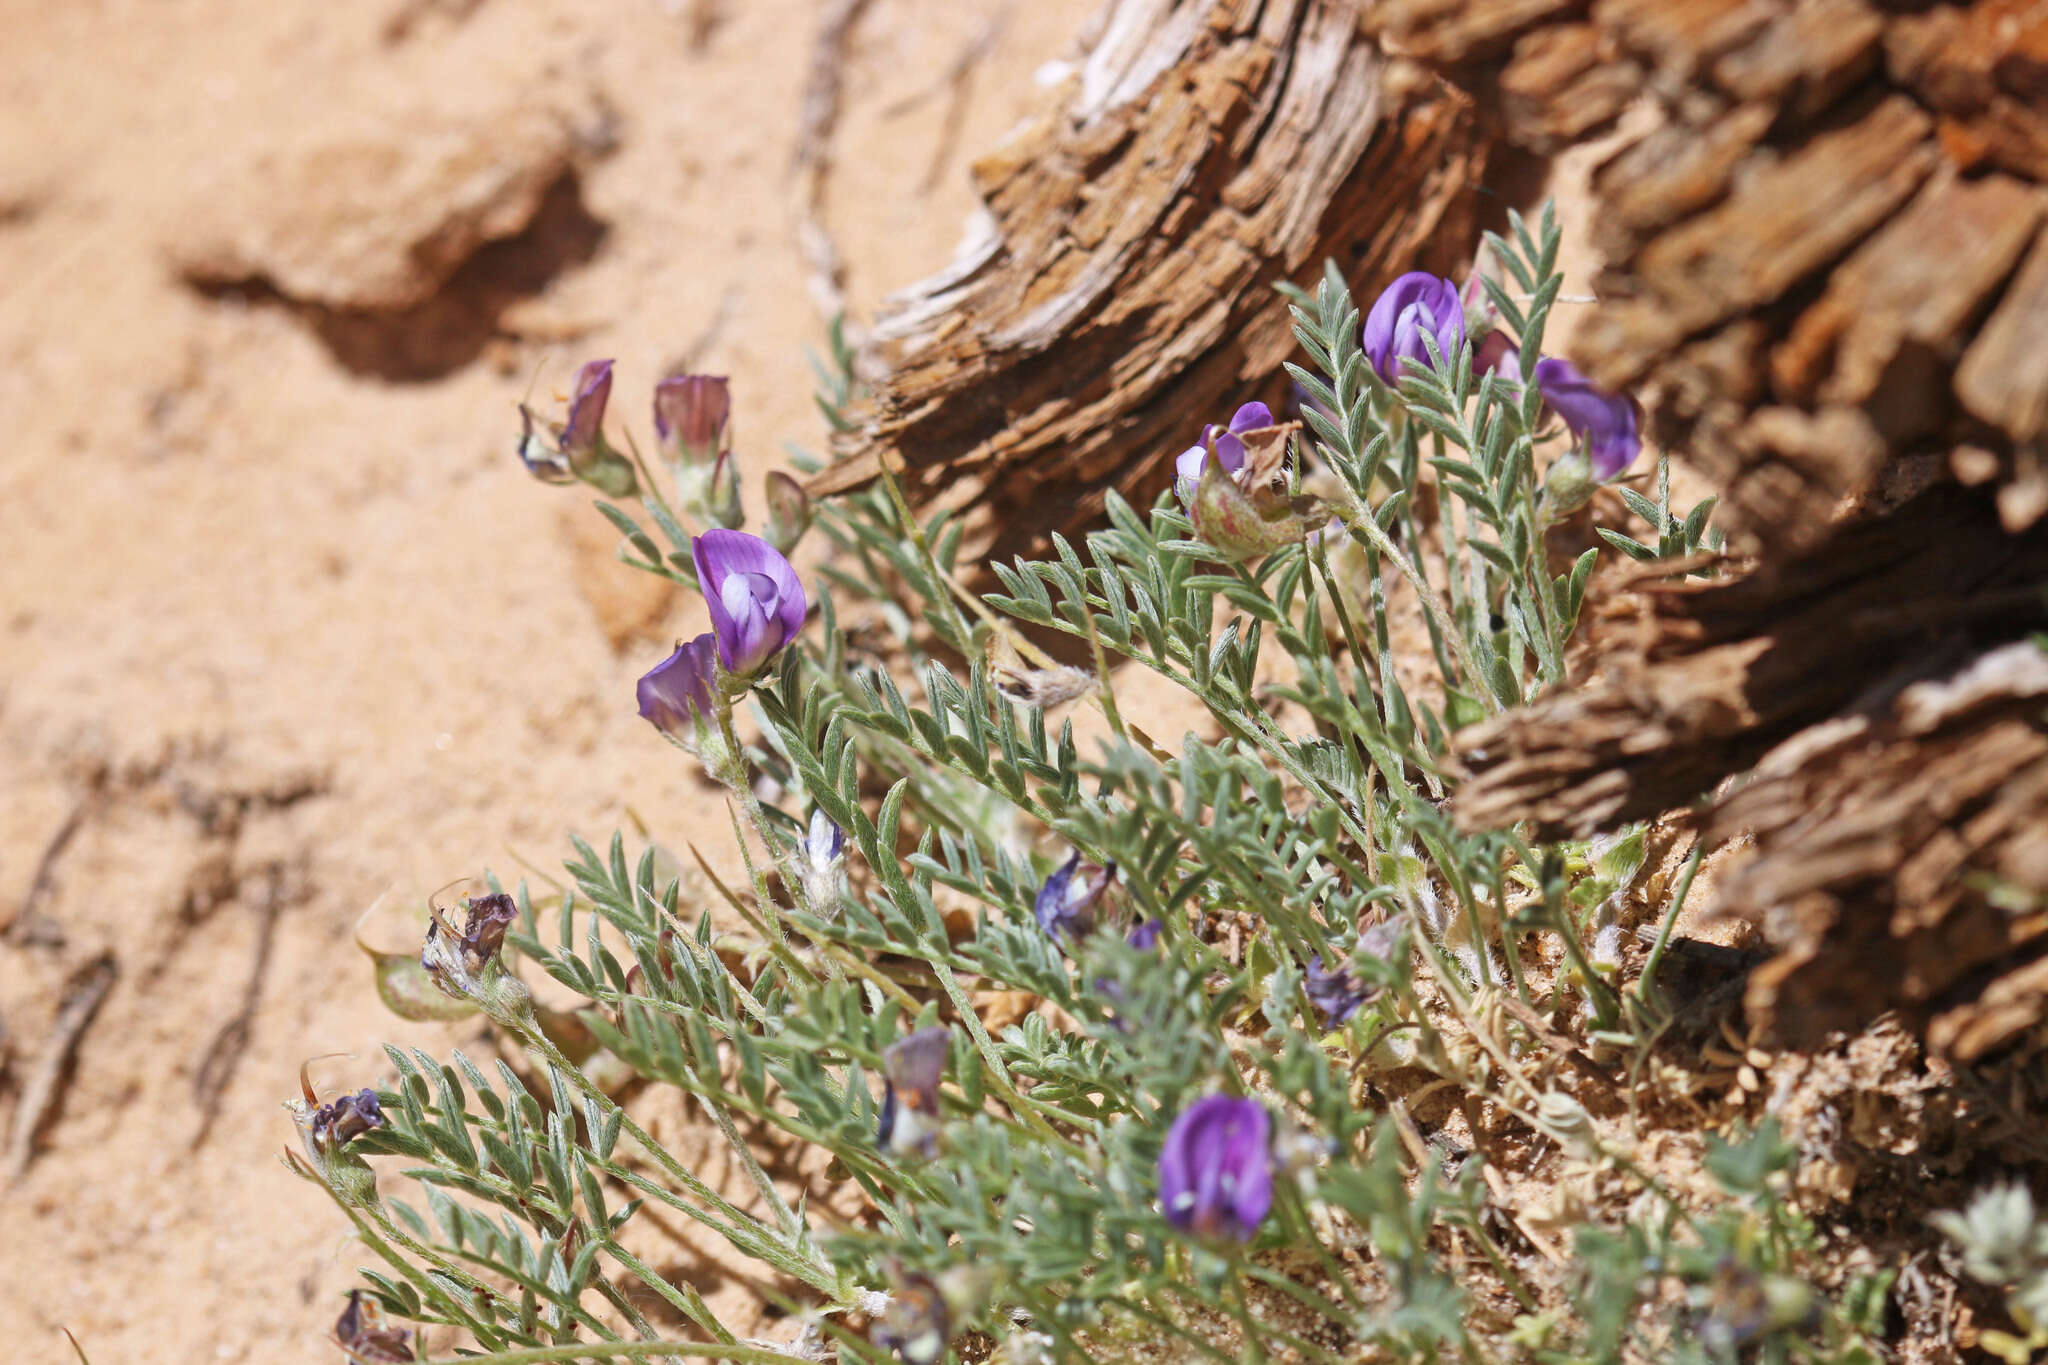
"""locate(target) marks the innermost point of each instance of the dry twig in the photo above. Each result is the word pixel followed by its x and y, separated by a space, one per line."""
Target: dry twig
pixel 83 994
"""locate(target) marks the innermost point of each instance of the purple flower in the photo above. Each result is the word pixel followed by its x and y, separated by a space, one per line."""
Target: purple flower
pixel 1187 469
pixel 1216 1169
pixel 1498 355
pixel 1145 935
pixel 789 511
pixel 345 1119
pixel 690 415
pixel 542 460
pixel 1335 994
pixel 583 433
pixel 1605 422
pixel 676 695
pixel 1416 303
pixel 366 1336
pixel 756 600
pixel 1066 902
pixel 911 1069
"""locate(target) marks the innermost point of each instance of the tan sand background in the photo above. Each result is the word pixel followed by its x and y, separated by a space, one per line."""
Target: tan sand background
pixel 285 633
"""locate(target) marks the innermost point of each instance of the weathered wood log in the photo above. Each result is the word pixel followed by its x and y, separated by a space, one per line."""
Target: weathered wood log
pixel 1120 288
pixel 1692 683
pixel 1897 787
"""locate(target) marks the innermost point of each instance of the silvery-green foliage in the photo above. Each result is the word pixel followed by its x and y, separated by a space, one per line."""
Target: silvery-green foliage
pixel 2004 1243
pixel 1314 815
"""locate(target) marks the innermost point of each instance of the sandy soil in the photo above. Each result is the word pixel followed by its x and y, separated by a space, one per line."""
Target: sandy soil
pixel 284 624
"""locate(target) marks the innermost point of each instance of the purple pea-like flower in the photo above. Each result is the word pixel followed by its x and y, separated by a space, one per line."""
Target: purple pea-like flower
pixel 1416 303
pixel 1144 935
pixel 677 695
pixel 1605 422
pixel 912 1067
pixel 1498 355
pixel 1230 451
pixel 756 600
pixel 583 432
pixel 1066 902
pixel 1337 993
pixel 1216 1169
pixel 690 416
pixel 346 1118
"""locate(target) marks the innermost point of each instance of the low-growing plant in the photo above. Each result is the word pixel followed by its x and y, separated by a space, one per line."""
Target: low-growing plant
pixel 1252 953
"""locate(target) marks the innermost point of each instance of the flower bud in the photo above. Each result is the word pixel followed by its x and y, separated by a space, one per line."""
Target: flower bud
pixel 789 511
pixel 822 865
pixel 691 412
pixel 1568 485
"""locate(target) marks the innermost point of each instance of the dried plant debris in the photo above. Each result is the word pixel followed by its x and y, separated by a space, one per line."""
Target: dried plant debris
pixel 43 1089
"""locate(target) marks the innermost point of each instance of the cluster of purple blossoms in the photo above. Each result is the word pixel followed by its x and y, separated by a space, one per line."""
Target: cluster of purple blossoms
pixel 757 607
pixel 1420 303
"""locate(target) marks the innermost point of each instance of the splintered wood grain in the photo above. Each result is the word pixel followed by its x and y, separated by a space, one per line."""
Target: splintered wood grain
pixel 1783 224
pixel 1694 683
pixel 2003 379
pixel 1902 854
pixel 1456 31
pixel 1120 293
pixel 1896 792
pixel 1911 291
pixel 1563 83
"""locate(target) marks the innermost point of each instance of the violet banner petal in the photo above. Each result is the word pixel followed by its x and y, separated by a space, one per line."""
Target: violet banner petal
pixel 676 694
pixel 1251 416
pixel 1393 328
pixel 586 407
pixel 1215 1168
pixel 756 600
pixel 1606 422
